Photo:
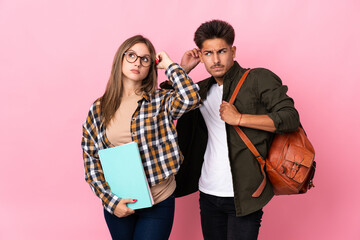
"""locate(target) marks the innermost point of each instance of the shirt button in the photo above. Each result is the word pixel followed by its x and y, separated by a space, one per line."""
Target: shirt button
pixel 133 119
pixel 133 134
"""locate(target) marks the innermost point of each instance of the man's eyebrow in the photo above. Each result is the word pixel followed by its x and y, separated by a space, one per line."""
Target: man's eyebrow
pixel 221 49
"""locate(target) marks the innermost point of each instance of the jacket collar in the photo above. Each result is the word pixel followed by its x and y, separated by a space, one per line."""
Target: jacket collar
pixel 205 87
pixel 232 72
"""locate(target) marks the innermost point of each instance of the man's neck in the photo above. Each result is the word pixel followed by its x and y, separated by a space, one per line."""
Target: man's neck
pixel 219 81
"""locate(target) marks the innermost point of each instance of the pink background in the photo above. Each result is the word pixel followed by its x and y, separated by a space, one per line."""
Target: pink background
pixel 55 59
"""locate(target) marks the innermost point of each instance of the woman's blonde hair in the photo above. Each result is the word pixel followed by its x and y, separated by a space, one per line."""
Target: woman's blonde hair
pixel 111 99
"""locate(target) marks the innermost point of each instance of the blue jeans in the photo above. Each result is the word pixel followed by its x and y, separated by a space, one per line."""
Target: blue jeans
pixel 219 221
pixel 153 223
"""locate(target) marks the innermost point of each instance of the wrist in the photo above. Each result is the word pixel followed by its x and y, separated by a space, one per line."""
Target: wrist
pixel 239 122
pixel 168 63
pixel 187 70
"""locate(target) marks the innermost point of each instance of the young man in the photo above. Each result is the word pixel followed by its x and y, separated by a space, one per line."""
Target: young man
pixel 216 161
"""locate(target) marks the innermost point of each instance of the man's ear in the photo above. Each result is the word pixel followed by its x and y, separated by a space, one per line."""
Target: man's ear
pixel 233 50
pixel 201 56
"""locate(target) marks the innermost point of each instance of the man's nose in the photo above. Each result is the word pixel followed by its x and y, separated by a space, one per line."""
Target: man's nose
pixel 216 58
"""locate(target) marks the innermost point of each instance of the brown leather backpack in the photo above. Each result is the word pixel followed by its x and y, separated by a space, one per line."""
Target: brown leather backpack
pixel 290 164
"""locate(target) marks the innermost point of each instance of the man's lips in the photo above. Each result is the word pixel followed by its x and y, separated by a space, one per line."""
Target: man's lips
pixel 217 67
pixel 135 71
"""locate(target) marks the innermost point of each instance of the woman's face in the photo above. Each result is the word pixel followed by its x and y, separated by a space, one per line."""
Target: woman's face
pixel 136 65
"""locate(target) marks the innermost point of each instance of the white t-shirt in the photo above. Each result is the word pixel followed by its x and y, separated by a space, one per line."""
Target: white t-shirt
pixel 216 178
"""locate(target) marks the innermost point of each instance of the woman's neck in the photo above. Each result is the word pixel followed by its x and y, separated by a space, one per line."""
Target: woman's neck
pixel 131 88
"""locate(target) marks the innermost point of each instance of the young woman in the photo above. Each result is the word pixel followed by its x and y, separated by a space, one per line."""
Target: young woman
pixel 133 109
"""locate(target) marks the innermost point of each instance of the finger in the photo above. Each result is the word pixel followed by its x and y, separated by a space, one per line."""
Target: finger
pixel 158 58
pixel 160 55
pixel 128 200
pixel 194 53
pixel 190 53
pixel 128 211
pixel 198 52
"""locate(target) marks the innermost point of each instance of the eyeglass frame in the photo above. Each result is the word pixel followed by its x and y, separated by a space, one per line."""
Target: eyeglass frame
pixel 137 56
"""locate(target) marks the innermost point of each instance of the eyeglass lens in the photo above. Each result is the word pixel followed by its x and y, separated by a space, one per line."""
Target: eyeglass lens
pixel 132 57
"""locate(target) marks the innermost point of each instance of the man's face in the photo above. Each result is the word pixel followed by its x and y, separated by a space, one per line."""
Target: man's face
pixel 217 56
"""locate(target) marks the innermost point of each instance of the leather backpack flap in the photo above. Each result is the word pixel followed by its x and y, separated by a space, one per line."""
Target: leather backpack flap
pixel 297 163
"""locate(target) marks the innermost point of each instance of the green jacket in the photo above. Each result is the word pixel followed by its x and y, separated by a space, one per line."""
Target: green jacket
pixel 261 93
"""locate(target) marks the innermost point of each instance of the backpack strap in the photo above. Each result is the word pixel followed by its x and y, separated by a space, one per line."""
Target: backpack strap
pixel 247 141
pixel 238 86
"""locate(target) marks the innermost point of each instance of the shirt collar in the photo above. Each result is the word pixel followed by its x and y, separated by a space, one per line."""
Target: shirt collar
pixel 146 96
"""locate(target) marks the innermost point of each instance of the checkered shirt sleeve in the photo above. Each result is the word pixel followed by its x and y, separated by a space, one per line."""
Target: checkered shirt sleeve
pixel 92 141
pixel 185 96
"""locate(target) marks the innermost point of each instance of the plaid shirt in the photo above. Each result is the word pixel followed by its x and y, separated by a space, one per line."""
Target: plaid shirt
pixel 152 128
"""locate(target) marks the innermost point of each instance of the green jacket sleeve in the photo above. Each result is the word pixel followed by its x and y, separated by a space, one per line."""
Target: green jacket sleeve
pixel 273 94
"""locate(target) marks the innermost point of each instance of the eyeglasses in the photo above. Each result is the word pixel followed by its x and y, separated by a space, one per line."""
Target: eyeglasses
pixel 131 57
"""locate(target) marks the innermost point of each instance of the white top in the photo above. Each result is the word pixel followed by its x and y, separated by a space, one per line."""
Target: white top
pixel 216 178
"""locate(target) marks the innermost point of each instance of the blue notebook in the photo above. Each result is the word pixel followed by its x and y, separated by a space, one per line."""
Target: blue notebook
pixel 124 172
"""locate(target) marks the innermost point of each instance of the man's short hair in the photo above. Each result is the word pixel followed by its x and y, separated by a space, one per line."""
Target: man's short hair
pixel 214 29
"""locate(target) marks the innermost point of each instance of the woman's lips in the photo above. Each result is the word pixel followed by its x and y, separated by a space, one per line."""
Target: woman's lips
pixel 135 71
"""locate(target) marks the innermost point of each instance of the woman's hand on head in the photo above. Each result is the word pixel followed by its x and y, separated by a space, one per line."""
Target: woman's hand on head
pixel 164 60
pixel 122 210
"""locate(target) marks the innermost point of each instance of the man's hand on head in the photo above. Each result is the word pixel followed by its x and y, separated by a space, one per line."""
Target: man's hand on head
pixel 190 60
